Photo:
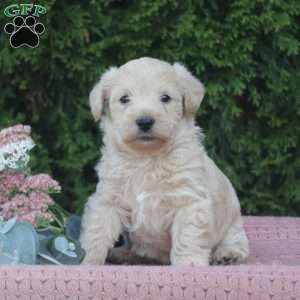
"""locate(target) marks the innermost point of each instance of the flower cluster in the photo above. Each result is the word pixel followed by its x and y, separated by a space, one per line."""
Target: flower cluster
pixel 52 236
pixel 22 196
pixel 15 144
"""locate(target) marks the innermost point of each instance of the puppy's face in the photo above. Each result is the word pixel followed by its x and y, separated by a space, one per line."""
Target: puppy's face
pixel 144 101
pixel 145 104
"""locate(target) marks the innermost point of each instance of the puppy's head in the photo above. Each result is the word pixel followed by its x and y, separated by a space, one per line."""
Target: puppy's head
pixel 143 101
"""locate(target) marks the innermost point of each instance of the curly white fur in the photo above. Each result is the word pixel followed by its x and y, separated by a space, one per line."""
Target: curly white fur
pixel 177 206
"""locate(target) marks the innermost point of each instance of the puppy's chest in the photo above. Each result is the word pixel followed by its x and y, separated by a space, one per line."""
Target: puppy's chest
pixel 147 197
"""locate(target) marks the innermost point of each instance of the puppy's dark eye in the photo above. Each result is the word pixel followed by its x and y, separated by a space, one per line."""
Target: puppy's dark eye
pixel 165 98
pixel 124 99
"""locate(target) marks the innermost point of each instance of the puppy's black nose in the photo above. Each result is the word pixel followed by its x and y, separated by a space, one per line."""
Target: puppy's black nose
pixel 145 123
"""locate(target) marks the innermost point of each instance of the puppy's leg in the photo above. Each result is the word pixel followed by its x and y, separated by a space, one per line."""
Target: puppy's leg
pixel 191 236
pixel 234 246
pixel 101 227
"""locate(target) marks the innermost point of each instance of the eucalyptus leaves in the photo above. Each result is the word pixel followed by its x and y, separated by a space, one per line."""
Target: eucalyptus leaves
pixel 20 243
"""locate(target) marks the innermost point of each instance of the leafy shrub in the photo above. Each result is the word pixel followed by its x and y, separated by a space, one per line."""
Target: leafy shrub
pixel 246 52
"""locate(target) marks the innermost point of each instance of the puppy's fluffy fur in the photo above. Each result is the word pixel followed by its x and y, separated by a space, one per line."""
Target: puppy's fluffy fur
pixel 158 185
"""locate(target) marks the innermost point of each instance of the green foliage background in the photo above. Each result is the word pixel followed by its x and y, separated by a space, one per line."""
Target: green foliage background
pixel 246 52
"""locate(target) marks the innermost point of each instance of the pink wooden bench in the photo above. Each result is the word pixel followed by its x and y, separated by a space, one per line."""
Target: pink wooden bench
pixel 271 272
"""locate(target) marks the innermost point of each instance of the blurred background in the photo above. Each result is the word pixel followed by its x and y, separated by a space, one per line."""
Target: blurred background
pixel 246 52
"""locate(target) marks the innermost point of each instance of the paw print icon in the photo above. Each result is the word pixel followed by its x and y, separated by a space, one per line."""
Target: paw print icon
pixel 24 31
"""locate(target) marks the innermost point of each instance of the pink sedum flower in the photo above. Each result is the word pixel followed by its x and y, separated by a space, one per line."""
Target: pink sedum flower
pixel 41 182
pixel 11 133
pixel 27 207
pixel 33 216
pixel 39 201
pixel 10 181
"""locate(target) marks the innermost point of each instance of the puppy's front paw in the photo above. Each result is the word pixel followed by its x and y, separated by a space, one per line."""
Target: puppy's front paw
pixel 190 260
pixel 228 256
pixel 93 260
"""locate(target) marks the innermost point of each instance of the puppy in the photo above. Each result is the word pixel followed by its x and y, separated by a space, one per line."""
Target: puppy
pixel 155 179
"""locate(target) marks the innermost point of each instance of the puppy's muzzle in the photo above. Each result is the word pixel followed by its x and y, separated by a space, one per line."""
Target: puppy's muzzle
pixel 145 123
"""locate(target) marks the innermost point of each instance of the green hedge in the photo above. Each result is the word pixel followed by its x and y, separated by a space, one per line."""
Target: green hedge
pixel 246 52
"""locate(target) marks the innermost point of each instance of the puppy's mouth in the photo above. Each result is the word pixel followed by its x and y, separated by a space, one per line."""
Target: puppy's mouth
pixel 147 142
pixel 146 138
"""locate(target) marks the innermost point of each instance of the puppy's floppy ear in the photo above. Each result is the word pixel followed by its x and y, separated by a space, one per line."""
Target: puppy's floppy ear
pixel 193 89
pixel 100 93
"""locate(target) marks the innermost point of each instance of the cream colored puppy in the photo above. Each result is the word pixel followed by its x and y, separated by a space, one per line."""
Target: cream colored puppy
pixel 155 178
